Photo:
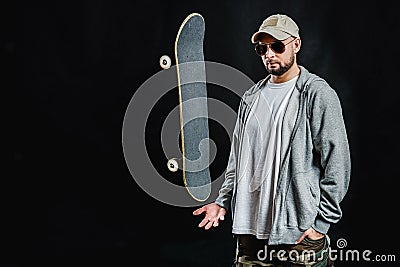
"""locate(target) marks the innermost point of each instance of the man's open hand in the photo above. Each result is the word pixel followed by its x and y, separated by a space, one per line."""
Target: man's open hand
pixel 214 214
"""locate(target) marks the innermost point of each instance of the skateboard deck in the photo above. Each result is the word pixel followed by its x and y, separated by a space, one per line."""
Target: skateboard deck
pixel 193 107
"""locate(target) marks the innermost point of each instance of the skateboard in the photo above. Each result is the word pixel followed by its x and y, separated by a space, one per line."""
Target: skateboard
pixel 193 109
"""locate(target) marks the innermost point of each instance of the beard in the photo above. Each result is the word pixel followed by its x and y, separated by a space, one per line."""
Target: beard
pixel 283 67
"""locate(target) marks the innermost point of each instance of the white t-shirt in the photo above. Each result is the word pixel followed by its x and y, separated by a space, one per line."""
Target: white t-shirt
pixel 260 161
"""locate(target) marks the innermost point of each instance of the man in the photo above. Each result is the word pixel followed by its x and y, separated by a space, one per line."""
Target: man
pixel 289 166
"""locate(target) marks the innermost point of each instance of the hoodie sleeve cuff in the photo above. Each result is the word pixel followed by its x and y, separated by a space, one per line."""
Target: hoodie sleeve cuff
pixel 224 203
pixel 321 225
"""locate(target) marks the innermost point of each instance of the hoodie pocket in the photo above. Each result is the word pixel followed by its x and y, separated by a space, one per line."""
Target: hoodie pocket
pixel 301 200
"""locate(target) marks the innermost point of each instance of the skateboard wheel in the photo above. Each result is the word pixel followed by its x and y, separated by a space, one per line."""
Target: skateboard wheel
pixel 165 62
pixel 173 165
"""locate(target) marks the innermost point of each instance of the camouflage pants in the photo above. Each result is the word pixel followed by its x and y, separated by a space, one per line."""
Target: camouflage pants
pixel 252 252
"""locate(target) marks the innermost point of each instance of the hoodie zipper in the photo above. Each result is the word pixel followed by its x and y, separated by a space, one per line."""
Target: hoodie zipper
pixel 303 95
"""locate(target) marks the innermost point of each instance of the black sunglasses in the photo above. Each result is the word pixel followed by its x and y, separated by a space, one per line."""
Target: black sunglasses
pixel 278 47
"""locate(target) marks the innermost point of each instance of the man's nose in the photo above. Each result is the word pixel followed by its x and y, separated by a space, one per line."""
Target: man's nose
pixel 269 52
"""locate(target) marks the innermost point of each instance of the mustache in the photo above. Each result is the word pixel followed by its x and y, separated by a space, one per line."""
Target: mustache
pixel 271 61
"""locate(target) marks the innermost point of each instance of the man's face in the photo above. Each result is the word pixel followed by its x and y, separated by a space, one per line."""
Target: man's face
pixel 278 63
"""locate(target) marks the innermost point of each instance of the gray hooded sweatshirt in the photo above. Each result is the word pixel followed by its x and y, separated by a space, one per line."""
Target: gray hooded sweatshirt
pixel 315 163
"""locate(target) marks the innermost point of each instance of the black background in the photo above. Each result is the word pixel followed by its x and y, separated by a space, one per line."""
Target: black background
pixel 69 70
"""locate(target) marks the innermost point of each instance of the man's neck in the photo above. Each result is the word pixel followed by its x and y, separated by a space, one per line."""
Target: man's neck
pixel 290 74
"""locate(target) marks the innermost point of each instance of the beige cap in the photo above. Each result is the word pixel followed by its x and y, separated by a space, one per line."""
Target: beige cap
pixel 278 26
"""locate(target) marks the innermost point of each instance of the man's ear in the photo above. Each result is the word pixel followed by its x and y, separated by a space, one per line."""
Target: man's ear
pixel 297 45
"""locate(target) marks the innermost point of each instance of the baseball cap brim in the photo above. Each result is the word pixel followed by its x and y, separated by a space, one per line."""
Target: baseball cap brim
pixel 277 34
